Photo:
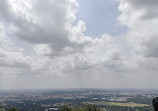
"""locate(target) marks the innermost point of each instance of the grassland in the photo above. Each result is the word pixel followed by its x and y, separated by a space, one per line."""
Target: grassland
pixel 116 104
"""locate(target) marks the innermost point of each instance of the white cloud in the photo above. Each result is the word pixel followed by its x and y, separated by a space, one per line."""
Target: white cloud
pixel 38 42
pixel 143 35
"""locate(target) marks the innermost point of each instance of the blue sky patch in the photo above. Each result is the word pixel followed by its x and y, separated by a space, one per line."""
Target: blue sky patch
pixel 100 17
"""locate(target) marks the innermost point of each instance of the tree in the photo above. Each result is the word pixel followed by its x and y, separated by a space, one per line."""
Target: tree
pixel 1 108
pixel 90 108
pixel 13 109
pixel 66 108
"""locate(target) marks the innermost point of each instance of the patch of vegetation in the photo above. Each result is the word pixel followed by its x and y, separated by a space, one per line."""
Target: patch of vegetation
pixel 116 104
pixel 85 108
pixel 11 109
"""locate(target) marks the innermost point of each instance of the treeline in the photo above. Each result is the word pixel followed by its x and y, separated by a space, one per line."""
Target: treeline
pixel 66 108
pixel 91 108
pixel 11 109
pixel 84 108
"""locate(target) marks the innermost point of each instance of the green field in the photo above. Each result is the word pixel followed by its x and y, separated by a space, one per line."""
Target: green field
pixel 116 104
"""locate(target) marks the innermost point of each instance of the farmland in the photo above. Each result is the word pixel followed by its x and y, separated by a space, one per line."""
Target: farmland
pixel 116 104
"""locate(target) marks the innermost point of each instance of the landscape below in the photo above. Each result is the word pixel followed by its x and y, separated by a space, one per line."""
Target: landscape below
pixel 77 100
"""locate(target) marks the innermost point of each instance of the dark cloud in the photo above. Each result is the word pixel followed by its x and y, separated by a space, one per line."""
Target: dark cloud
pixel 15 64
pixel 47 22
pixel 144 3
pixel 5 10
pixel 152 47
pixel 149 7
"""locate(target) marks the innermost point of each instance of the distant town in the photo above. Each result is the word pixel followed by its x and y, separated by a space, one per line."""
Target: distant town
pixel 53 100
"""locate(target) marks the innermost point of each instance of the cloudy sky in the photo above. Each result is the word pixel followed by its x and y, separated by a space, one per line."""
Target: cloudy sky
pixel 78 44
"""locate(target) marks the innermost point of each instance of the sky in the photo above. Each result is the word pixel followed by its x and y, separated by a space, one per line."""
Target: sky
pixel 78 44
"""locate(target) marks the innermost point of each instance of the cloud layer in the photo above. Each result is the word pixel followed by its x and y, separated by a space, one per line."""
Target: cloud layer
pixel 42 47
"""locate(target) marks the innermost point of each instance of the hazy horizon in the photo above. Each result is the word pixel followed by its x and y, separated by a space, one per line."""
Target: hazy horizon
pixel 78 44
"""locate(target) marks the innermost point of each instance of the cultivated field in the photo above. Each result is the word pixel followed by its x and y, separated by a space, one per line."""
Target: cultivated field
pixel 116 104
